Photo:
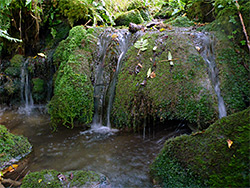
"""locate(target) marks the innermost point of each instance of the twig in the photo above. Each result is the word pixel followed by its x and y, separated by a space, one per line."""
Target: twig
pixel 243 25
pixel 19 175
pixel 86 23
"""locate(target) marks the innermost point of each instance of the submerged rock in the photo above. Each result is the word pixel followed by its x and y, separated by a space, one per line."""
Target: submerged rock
pixel 217 157
pixel 73 179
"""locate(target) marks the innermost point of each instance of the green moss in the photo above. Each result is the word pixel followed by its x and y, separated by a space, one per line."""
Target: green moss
pixel 49 178
pixel 201 11
pixel 180 22
pixel 178 92
pixel 38 85
pixel 234 76
pixel 207 154
pixel 12 146
pixel 17 61
pixel 133 16
pixel 74 10
pixel 13 71
pixel 73 93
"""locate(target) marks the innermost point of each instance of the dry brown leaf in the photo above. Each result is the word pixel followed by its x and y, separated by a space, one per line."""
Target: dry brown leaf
pixel 152 75
pixel 10 168
pixel 229 143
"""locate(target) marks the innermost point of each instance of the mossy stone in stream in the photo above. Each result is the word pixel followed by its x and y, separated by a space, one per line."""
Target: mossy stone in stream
pixel 207 155
pixel 73 93
pixel 53 178
pixel 125 18
pixel 12 147
pixel 180 91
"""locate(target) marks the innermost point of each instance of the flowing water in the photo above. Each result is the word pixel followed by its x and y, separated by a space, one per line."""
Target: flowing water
pixel 26 95
pixel 124 158
pixel 113 45
pixel 205 43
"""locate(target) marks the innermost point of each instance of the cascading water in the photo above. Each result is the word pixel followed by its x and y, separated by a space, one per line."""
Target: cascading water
pixel 113 45
pixel 205 44
pixel 26 95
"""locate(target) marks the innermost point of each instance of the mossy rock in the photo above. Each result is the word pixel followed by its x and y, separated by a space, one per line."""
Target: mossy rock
pixel 38 89
pixel 180 21
pixel 201 11
pixel 73 93
pixel 13 71
pixel 12 147
pixel 125 18
pixel 182 91
pixel 55 179
pixel 234 76
pixel 17 61
pixel 38 85
pixel 208 156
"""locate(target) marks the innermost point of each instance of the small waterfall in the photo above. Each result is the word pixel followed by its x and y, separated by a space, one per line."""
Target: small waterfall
pixel 26 95
pixel 206 44
pixel 113 45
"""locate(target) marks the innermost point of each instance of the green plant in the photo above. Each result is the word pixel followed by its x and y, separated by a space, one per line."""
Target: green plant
pixel 141 45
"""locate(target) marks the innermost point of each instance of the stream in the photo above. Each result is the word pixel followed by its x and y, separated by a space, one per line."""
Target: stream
pixel 123 157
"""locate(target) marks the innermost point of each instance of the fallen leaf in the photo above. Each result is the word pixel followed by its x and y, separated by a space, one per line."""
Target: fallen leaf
pixel 10 168
pixel 162 29
pixel 114 36
pixel 229 143
pixel 152 75
pixel 40 180
pixel 42 55
pixel 144 83
pixel 149 72
pixel 170 58
pixel 198 48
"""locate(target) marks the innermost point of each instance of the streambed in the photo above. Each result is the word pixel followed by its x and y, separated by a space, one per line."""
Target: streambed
pixel 123 157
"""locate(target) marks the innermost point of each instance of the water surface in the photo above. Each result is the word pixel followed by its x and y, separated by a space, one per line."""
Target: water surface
pixel 123 157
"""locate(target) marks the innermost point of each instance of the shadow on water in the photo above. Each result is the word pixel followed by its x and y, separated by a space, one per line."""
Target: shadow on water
pixel 123 157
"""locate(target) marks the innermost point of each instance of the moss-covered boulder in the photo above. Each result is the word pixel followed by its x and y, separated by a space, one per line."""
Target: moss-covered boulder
pixel 234 73
pixel 217 157
pixel 73 92
pixel 12 147
pixel 151 88
pixel 125 18
pixel 55 179
pixel 180 21
pixel 16 63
